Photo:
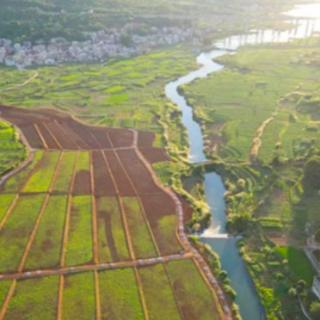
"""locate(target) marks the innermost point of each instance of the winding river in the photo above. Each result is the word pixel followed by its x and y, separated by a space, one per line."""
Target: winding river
pixel 215 235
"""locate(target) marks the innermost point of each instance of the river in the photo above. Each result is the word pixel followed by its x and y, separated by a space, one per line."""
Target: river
pixel 247 298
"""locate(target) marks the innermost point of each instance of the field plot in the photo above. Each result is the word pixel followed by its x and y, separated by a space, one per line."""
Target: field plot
pixel 120 296
pixel 123 183
pixel 5 201
pixel 41 179
pixel 16 231
pixel 4 289
pixel 15 182
pixel 159 297
pixel 34 299
pixel 160 210
pixel 140 236
pixel 47 243
pixel 78 300
pixel 194 297
pixel 138 173
pixel 80 244
pixel 64 176
pixel 111 236
pixel 82 182
pixel 103 185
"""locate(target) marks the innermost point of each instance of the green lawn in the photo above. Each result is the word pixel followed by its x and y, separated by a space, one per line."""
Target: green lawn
pixel 141 239
pixel 298 262
pixel 34 299
pixel 111 235
pixel 63 180
pixel 159 297
pixel 80 244
pixel 119 295
pixel 41 179
pixel 17 229
pixel 15 183
pixel 46 248
pixel 193 294
pixel 78 300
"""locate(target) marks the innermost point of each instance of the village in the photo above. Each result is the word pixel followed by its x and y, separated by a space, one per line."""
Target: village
pixel 100 46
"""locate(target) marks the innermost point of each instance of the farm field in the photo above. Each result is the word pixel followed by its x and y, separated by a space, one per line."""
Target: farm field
pixel 78 301
pixel 81 232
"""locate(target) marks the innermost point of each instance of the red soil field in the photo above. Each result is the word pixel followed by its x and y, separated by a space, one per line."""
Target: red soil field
pixel 62 131
pixel 123 183
pixel 138 173
pixel 154 155
pixel 82 183
pixel 103 185
pixel 145 139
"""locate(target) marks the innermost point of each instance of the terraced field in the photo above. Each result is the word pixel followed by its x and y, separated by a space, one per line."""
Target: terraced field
pixel 89 231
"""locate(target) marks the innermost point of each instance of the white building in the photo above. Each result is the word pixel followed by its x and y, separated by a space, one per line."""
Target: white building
pixel 316 286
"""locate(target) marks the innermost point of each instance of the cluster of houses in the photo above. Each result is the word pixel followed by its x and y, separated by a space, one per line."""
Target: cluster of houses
pixel 100 46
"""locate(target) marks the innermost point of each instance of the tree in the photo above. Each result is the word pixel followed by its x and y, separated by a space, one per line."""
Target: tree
pixel 315 309
pixel 312 171
pixel 292 292
pixel 239 223
pixel 317 236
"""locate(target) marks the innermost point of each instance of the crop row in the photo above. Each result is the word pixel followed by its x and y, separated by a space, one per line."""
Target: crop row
pixel 119 295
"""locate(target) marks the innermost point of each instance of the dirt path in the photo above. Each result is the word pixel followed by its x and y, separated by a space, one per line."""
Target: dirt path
pixel 7 300
pixel 256 143
pixel 21 84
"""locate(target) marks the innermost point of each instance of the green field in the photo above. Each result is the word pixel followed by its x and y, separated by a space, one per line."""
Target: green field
pixel 111 236
pixel 15 182
pixel 159 297
pixel 63 180
pixel 42 177
pixel 78 300
pixel 141 239
pixel 48 239
pixel 119 295
pixel 83 162
pixel 34 299
pixel 298 263
pixel 12 152
pixel 5 200
pixel 17 229
pixel 4 289
pixel 195 298
pixel 80 244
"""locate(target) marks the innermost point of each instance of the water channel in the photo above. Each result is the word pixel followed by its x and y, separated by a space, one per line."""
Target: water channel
pixel 247 298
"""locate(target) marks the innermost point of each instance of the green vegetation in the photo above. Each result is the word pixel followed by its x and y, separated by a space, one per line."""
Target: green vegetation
pixel 298 263
pixel 72 19
pixel 34 299
pixel 83 162
pixel 166 236
pixel 63 180
pixel 48 240
pixel 5 200
pixel 119 295
pixel 80 244
pixel 192 292
pixel 17 229
pixel 111 235
pixel 79 297
pixel 140 235
pixel 263 135
pixel 4 289
pixel 42 177
pixel 12 152
pixel 158 293
pixel 15 182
